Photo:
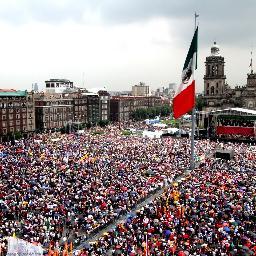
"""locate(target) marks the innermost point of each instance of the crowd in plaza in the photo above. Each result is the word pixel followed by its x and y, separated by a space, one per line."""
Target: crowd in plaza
pixel 210 212
pixel 64 187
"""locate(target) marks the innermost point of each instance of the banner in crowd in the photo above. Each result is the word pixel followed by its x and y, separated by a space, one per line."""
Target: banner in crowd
pixel 18 247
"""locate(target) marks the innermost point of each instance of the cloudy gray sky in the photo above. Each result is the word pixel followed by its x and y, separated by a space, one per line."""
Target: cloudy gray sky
pixel 117 43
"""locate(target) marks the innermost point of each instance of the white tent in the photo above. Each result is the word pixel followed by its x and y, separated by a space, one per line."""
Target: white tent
pixel 152 135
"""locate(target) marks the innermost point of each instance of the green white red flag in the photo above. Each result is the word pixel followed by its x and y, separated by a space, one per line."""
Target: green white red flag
pixel 184 99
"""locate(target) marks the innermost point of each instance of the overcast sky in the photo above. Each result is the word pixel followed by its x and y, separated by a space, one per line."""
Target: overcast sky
pixel 118 43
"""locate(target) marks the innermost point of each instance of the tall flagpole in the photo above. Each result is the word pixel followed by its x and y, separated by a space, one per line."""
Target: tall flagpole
pixel 192 159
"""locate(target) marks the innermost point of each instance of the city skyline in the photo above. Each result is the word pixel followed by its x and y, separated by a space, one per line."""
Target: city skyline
pixel 116 44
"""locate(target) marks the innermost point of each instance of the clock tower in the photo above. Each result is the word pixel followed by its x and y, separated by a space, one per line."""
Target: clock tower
pixel 214 78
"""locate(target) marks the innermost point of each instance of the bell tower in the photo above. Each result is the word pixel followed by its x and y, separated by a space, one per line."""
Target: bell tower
pixel 251 78
pixel 214 78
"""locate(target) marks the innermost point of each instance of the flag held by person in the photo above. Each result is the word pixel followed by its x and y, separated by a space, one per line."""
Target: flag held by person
pixel 184 99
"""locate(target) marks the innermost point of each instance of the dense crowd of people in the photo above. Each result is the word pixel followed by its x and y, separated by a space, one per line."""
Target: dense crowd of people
pixel 211 212
pixel 67 186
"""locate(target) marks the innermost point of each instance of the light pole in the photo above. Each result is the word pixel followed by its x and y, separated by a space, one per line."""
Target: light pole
pixel 69 123
pixel 57 126
pixel 77 121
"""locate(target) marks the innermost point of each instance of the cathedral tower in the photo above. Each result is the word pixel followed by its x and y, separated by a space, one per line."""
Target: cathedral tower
pixel 214 79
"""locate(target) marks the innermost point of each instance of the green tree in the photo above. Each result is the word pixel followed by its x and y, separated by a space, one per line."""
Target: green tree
pixel 158 111
pixel 142 113
pixel 165 110
pixel 17 135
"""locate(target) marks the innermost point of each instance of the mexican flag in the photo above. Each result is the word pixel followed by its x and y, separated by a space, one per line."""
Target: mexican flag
pixel 184 99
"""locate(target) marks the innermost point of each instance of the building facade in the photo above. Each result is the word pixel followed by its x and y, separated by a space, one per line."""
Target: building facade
pixel 58 85
pixel 93 108
pixel 53 111
pixel 246 95
pixel 166 91
pixel 121 107
pixel 58 110
pixel 79 101
pixel 16 112
pixel 104 105
pixel 140 90
pixel 218 94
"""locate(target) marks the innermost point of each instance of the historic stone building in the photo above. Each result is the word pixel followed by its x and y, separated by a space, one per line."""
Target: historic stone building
pixel 217 93
pixel 16 112
pixel 53 111
pixel 121 107
pixel 58 110
pixel 247 94
pixel 104 105
pixel 140 90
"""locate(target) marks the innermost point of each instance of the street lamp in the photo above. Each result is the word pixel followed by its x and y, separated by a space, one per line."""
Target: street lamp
pixel 70 122
pixel 57 126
